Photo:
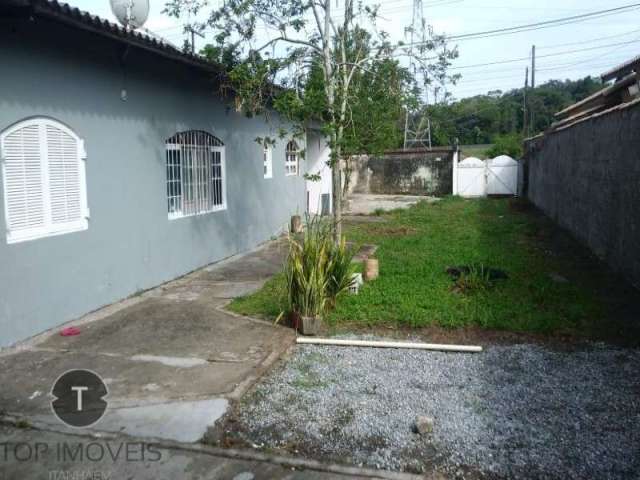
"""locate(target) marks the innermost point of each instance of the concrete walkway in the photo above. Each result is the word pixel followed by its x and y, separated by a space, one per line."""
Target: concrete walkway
pixel 171 358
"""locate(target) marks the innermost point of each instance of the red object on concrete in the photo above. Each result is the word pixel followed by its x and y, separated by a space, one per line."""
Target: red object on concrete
pixel 70 331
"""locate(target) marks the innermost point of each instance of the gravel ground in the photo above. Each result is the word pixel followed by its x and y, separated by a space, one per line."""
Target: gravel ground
pixel 521 411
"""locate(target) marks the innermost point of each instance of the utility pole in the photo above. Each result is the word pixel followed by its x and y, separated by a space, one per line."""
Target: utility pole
pixel 524 103
pixel 532 124
pixel 533 66
pixel 190 29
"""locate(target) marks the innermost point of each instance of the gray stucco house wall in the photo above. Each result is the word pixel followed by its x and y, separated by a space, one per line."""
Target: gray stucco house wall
pixel 75 76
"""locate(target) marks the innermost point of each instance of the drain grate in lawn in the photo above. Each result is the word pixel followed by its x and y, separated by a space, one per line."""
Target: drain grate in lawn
pixel 520 411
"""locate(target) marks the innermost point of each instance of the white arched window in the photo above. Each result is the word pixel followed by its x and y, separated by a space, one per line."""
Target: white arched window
pixel 44 181
pixel 291 158
pixel 195 174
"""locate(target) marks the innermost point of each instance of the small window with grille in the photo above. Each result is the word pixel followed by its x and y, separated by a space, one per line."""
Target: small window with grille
pixel 267 162
pixel 291 159
pixel 195 174
pixel 43 170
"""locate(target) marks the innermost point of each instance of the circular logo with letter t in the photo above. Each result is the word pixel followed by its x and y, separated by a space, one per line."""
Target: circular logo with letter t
pixel 79 398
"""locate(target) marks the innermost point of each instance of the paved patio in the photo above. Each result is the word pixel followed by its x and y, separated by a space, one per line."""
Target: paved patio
pixel 171 357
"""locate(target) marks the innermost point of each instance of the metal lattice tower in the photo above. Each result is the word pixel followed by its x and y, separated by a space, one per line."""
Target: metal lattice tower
pixel 417 126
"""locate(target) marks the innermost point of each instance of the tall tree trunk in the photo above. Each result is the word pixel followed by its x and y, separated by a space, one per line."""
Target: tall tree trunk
pixel 330 90
pixel 336 183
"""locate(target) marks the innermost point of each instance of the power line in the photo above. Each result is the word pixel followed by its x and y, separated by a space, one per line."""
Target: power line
pixel 544 24
pixel 570 44
pixel 557 54
pixel 585 63
pixel 545 66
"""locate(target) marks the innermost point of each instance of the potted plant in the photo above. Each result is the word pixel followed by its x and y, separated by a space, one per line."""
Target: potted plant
pixel 306 281
pixel 316 271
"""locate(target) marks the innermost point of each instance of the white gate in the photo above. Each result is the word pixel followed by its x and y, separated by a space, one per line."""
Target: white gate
pixel 473 177
pixel 502 176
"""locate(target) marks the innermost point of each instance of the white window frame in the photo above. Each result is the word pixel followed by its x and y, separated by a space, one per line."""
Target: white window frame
pixel 169 146
pixel 267 161
pixel 48 228
pixel 291 168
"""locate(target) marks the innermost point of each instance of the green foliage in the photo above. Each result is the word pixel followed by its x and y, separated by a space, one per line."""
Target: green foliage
pixel 265 142
pixel 226 57
pixel 312 177
pixel 476 279
pixel 377 120
pixel 317 270
pixel 377 97
pixel 510 144
pixel 479 119
pixel 479 151
pixel 347 76
pixel 414 289
pixel 340 270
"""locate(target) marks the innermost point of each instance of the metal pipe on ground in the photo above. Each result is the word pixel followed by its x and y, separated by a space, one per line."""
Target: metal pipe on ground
pixel 387 344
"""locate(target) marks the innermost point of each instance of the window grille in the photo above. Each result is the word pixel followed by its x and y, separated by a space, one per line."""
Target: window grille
pixel 291 159
pixel 195 174
pixel 267 162
pixel 43 170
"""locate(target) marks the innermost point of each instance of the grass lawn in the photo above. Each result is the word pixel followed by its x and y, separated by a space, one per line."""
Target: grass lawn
pixel 413 290
pixel 475 150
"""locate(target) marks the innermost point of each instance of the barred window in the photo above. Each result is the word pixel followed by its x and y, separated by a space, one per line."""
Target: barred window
pixel 291 159
pixel 195 174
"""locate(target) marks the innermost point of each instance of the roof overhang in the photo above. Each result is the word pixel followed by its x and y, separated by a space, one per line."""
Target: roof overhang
pixel 602 99
pixel 622 70
pixel 74 17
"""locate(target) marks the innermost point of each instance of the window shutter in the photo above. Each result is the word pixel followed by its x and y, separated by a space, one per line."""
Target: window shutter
pixel 44 180
pixel 24 195
pixel 63 152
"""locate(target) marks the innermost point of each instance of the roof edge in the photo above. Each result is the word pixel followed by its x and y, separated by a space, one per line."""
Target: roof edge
pixel 66 14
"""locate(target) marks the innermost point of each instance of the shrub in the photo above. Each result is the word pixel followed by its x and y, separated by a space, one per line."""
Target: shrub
pixel 476 279
pixel 510 144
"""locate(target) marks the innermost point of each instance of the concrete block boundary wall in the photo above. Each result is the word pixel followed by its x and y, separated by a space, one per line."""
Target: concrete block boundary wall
pixel 587 179
pixel 411 172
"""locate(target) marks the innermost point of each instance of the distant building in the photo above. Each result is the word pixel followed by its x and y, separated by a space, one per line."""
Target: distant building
pixel 625 89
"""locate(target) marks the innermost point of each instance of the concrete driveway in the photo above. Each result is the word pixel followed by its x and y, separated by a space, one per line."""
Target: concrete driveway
pixel 171 358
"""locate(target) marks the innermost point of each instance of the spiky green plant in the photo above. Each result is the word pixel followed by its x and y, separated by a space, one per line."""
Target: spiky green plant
pixel 476 279
pixel 316 270
pixel 340 270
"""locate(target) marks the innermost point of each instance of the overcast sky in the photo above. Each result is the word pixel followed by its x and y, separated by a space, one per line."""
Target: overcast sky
pixel 554 46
